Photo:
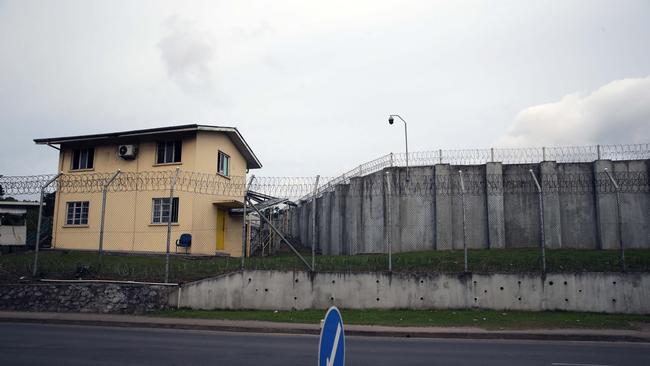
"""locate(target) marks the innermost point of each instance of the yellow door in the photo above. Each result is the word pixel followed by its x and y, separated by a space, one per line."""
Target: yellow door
pixel 221 228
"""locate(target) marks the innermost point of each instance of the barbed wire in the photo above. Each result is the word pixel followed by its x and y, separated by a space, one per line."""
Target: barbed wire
pixel 561 154
pixel 285 187
pixel 293 188
pixel 25 184
pixel 186 181
pixel 302 188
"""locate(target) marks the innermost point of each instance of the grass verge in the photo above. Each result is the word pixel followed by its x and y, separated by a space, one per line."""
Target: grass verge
pixel 486 319
pixel 76 264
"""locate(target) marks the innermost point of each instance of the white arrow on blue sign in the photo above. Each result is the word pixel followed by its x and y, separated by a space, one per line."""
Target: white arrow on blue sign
pixel 331 349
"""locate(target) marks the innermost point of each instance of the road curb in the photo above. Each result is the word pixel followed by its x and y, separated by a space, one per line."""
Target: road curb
pixel 350 330
pixel 127 324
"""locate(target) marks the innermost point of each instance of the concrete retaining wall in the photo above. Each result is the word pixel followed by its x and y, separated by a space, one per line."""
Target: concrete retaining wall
pixel 502 209
pixel 276 290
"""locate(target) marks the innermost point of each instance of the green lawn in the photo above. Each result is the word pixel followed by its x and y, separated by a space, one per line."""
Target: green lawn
pixel 76 264
pixel 487 319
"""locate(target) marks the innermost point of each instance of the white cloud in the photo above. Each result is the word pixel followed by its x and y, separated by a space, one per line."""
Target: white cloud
pixel 618 112
pixel 309 84
pixel 188 54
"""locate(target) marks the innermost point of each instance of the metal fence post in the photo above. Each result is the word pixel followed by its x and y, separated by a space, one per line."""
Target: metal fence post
pixel 38 225
pixel 462 202
pixel 620 219
pixel 313 224
pixel 440 155
pixel 103 214
pixel 387 237
pixel 244 235
pixel 391 159
pixel 169 222
pixel 598 151
pixel 540 194
pixel 492 154
pixel 272 227
pixel 543 154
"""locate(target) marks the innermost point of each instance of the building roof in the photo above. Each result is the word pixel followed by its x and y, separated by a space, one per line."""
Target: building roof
pixel 251 160
pixel 18 203
pixel 16 207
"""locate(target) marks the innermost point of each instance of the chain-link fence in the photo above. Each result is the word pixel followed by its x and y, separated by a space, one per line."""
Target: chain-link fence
pixel 442 213
pixel 143 214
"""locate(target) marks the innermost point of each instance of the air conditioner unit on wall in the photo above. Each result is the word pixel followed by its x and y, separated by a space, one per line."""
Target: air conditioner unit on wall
pixel 127 152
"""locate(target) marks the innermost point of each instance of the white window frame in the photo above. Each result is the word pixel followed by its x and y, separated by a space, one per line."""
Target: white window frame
pixel 167 147
pixel 76 213
pixel 85 161
pixel 221 158
pixel 160 210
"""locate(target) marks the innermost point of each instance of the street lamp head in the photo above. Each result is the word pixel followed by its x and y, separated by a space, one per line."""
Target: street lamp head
pixel 390 120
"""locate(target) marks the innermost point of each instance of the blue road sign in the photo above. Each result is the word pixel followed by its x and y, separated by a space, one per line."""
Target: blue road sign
pixel 331 349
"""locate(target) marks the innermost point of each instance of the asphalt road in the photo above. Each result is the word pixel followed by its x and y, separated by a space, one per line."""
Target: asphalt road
pixel 35 344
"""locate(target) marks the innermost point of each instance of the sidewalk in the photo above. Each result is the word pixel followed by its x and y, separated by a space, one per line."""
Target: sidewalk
pixel 610 335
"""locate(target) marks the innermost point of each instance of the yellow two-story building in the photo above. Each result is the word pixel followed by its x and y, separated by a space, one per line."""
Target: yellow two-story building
pixel 137 209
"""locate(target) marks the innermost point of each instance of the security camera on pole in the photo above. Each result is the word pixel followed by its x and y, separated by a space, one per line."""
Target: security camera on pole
pixel 391 120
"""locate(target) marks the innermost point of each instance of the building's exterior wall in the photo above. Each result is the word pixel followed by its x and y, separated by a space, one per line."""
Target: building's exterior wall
pixel 128 225
pixel 208 145
pixel 204 210
pixel 106 159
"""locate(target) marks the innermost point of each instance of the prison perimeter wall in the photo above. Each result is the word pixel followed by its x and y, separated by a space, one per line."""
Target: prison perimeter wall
pixel 487 206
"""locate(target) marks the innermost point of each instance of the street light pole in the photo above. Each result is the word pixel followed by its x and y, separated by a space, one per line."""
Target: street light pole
pixel 406 140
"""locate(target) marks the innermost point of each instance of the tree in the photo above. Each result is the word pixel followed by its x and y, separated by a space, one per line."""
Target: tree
pixel 2 195
pixel 49 199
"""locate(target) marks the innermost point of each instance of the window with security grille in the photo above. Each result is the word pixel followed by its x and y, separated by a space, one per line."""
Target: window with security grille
pixel 223 164
pixel 77 213
pixel 161 210
pixel 169 152
pixel 82 159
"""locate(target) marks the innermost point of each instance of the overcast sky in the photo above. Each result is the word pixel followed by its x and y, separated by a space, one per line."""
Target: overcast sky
pixel 310 84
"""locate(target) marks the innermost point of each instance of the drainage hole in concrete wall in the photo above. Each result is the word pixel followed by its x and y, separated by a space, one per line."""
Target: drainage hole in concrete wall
pixel 295 298
pixel 332 298
pixel 377 281
pixel 474 282
pixel 519 299
pixel 550 283
pixel 475 299
pixel 613 300
pixel 518 282
pixel 377 299
pixel 296 280
pixel 266 290
pixel 613 283
pixel 421 281
pixel 579 290
pixel 421 298
pixel 501 288
pixel 250 279
pixel 333 281
pixel 565 283
pixel 485 291
pixel 566 300
pixel 256 290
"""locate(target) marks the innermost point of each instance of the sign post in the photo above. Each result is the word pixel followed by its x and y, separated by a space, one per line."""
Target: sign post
pixel 331 347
